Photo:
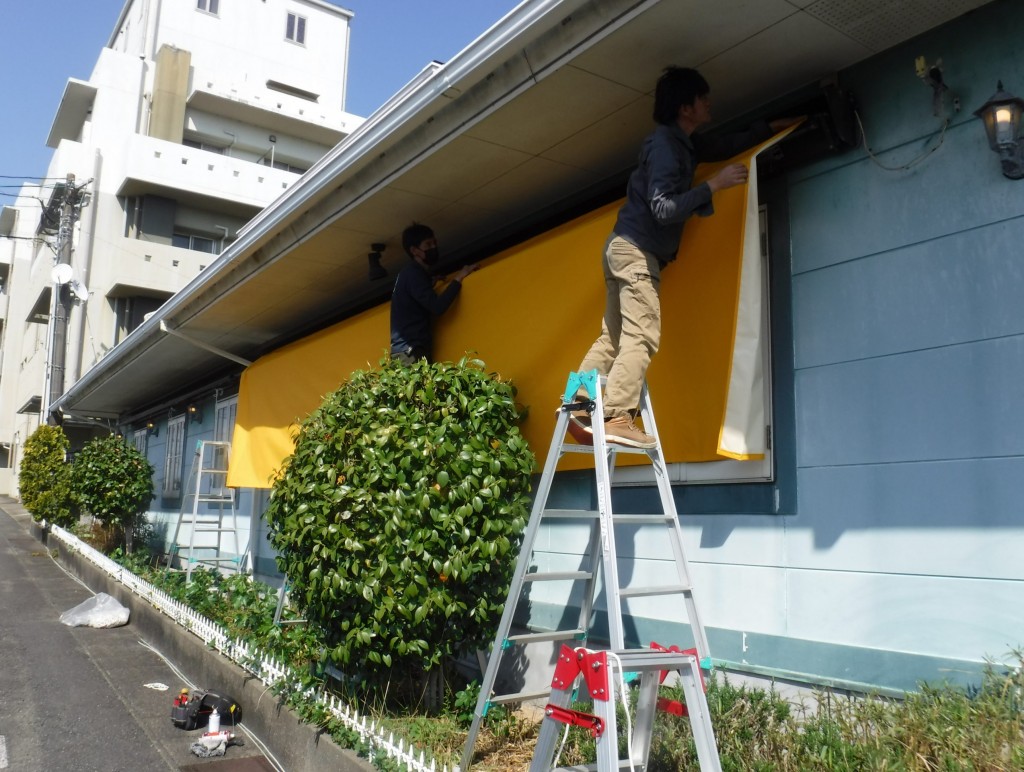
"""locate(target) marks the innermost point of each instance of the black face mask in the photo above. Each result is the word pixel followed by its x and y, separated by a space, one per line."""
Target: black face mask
pixel 431 256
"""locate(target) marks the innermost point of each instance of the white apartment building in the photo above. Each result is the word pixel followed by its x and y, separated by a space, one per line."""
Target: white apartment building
pixel 198 114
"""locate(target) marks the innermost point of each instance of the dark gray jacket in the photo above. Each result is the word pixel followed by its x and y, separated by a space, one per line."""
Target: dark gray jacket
pixel 660 197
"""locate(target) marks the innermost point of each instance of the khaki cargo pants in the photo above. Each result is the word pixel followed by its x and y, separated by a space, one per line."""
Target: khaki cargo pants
pixel 631 329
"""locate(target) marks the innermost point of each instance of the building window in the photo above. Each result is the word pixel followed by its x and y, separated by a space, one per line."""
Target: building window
pixel 210 6
pixel 174 460
pixel 131 311
pixel 284 166
pixel 295 29
pixel 139 439
pixel 728 470
pixel 195 242
pixel 218 149
pixel 223 430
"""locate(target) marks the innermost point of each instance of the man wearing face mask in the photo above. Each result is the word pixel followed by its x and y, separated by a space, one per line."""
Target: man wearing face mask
pixel 414 303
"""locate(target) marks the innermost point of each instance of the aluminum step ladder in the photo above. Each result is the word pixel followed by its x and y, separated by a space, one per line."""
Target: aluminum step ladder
pixel 601 552
pixel 208 507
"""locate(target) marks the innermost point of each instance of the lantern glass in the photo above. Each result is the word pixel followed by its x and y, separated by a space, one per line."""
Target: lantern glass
pixel 1001 115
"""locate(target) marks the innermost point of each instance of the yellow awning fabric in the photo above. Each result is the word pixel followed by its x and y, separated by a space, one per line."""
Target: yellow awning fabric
pixel 531 313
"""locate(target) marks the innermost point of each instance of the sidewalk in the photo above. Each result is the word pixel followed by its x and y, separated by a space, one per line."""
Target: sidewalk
pixel 77 699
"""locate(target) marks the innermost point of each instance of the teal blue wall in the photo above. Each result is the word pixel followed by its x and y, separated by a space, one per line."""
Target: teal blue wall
pixel 901 559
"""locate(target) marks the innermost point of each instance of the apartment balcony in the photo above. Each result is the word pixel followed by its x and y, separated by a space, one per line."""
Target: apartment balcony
pixel 185 173
pixel 280 112
pixel 146 265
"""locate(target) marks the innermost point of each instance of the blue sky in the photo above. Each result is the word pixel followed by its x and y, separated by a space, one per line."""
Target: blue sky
pixel 48 41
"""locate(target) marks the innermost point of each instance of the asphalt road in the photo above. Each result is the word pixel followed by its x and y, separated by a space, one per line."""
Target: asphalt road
pixel 76 699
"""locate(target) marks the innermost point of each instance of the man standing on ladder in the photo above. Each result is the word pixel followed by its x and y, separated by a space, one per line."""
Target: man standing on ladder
pixel 660 198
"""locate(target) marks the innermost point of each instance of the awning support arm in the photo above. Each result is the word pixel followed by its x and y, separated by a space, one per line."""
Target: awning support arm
pixel 206 346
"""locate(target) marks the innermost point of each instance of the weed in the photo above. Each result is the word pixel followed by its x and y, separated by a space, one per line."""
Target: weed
pixel 940 728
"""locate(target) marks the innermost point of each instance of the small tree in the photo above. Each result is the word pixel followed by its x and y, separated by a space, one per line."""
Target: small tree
pixel 398 516
pixel 45 476
pixel 113 482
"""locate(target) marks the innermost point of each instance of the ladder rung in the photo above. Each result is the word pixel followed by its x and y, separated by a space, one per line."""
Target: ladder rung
pixel 642 519
pixel 214 500
pixel 554 635
pixel 623 764
pixel 557 576
pixel 214 560
pixel 570 514
pixel 570 447
pixel 505 699
pixel 201 529
pixel 639 592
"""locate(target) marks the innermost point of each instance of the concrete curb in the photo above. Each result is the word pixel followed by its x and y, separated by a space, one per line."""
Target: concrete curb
pixel 297 746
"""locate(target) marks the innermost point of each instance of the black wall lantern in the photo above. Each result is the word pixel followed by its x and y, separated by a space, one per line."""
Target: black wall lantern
pixel 1001 115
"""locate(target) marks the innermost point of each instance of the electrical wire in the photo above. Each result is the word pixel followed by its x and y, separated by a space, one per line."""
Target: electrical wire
pixel 260 745
pixel 909 164
pixel 49 554
pixel 625 704
pixel 30 177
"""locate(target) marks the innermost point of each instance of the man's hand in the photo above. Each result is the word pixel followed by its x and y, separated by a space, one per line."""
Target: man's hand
pixel 464 272
pixel 728 177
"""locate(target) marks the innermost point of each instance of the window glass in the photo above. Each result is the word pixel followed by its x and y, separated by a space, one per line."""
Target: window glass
pixel 295 28
pixel 173 460
pixel 210 6
pixel 139 439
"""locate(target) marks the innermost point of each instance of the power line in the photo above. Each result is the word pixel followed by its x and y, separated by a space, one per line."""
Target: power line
pixel 29 177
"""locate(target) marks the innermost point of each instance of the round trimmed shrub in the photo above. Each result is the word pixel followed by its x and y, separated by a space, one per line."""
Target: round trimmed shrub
pixel 44 477
pixel 397 519
pixel 113 482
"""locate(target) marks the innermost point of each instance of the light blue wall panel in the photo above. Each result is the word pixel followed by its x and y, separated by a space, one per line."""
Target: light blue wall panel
pixel 949 403
pixel 949 518
pixel 959 618
pixel 956 289
pixel 860 210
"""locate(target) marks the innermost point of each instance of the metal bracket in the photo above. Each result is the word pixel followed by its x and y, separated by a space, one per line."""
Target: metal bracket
pixel 577 381
pixel 576 718
pixel 676 650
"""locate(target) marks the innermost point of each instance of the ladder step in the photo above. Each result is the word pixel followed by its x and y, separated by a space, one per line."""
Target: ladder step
pixel 572 514
pixel 570 447
pixel 553 635
pixel 642 519
pixel 506 699
pixel 640 592
pixel 207 529
pixel 557 576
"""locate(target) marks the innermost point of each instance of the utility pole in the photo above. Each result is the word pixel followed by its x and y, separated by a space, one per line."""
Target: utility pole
pixel 61 303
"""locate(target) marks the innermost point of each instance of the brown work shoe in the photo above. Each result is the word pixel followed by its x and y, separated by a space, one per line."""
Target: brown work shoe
pixel 622 431
pixel 580 428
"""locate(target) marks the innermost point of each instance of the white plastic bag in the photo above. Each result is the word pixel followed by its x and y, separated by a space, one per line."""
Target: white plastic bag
pixel 99 611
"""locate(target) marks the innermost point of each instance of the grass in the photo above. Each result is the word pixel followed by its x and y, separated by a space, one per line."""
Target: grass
pixel 940 728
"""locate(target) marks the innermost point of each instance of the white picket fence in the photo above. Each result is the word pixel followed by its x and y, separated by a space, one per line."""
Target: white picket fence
pixel 267 669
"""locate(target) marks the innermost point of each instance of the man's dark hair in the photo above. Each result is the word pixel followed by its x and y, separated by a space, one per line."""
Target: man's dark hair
pixel 677 87
pixel 415 235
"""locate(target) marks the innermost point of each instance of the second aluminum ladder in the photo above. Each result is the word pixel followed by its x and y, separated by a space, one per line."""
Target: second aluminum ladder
pixel 208 507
